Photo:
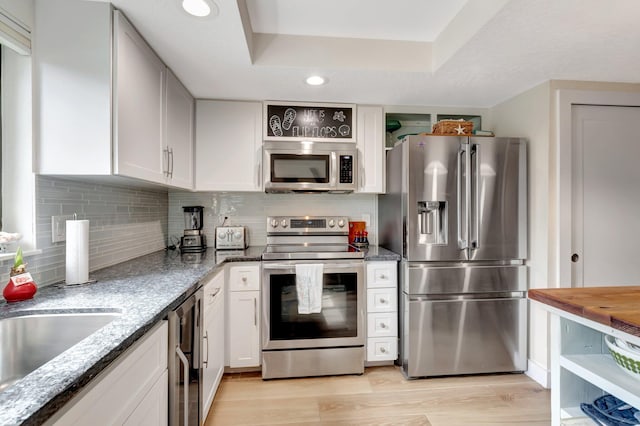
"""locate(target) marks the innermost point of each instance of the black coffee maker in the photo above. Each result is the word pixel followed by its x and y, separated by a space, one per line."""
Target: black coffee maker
pixel 194 240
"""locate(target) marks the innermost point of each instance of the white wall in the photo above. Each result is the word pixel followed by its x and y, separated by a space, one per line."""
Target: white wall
pixel 527 115
pixel 20 10
pixel 532 114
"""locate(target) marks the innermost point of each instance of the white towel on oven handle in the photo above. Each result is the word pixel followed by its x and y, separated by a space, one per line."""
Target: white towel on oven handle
pixel 309 287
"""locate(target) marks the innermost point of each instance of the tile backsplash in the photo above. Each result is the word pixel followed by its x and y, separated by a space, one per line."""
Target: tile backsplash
pixel 124 223
pixel 127 222
pixel 251 209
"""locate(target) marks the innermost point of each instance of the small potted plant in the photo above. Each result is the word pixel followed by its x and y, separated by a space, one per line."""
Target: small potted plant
pixel 21 285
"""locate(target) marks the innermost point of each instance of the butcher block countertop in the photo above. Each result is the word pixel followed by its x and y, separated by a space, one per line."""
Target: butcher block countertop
pixel 618 307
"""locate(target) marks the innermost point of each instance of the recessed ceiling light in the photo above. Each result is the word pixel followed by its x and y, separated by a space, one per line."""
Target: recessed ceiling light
pixel 316 80
pixel 200 8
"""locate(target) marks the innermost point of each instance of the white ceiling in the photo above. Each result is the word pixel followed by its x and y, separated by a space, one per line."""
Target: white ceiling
pixel 400 52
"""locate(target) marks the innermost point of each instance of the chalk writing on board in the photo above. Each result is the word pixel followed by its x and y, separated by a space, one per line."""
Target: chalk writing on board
pixel 326 122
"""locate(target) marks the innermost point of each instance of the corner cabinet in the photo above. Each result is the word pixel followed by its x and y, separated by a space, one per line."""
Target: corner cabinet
pixel 105 103
pixel 370 141
pixel 243 318
pixel 228 146
pixel 382 311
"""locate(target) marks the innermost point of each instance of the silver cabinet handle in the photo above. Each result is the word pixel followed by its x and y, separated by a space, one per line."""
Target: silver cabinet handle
pixel 206 337
pixel 383 350
pixel 185 371
pixel 255 311
pixel 383 300
pixel 165 170
pixel 383 325
pixel 171 167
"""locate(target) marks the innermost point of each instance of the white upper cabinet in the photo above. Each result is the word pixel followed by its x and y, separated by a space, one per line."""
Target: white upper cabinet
pixel 104 102
pixel 228 146
pixel 178 147
pixel 371 153
pixel 139 84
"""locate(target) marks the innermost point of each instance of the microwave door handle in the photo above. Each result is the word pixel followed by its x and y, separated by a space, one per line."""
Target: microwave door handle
pixel 333 169
pixel 185 386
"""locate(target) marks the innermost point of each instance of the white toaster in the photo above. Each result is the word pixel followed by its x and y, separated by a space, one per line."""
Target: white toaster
pixel 231 238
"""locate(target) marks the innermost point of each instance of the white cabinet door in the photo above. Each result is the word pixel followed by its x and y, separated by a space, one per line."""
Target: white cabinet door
pixel 244 329
pixel 139 82
pixel 178 149
pixel 137 380
pixel 228 146
pixel 370 142
pixel 213 343
pixel 153 409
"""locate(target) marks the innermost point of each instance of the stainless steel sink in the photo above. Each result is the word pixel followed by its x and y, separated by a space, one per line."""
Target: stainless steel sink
pixel 29 341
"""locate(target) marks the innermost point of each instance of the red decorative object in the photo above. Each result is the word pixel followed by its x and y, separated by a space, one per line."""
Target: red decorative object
pixel 16 293
pixel 20 285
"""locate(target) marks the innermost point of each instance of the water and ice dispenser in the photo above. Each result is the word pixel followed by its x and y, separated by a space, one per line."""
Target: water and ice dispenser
pixel 432 220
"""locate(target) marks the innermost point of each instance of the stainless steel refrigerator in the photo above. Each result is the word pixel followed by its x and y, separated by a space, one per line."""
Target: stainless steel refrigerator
pixel 456 209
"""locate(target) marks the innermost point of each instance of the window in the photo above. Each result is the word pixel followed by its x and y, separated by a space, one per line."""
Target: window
pixel 17 181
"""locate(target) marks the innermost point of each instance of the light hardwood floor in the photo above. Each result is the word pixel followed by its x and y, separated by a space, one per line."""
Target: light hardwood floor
pixel 381 396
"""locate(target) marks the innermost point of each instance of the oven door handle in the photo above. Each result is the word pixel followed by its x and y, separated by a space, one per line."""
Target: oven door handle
pixel 270 266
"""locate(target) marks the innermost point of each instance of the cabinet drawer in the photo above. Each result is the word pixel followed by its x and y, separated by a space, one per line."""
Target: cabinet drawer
pixel 382 324
pixel 382 300
pixel 214 289
pixel 244 278
pixel 382 274
pixel 382 349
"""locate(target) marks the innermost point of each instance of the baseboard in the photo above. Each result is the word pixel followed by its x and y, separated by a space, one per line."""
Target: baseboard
pixel 539 374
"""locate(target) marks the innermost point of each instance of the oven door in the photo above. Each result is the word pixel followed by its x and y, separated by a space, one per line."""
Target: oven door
pixel 341 320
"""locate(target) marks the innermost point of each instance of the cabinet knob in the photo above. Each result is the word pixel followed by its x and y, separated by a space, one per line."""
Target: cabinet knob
pixel 383 300
pixel 383 350
pixel 575 257
pixel 383 325
pixel 383 277
pixel 244 279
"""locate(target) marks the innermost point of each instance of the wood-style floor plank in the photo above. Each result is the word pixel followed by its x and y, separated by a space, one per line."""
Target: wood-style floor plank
pixel 381 396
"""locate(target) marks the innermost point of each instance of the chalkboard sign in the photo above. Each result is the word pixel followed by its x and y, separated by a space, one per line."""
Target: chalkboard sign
pixel 316 122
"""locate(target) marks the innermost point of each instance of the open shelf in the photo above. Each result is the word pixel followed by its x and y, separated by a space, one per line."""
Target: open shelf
pixel 602 371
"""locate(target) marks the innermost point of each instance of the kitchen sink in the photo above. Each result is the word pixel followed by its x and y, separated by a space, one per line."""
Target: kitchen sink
pixel 29 341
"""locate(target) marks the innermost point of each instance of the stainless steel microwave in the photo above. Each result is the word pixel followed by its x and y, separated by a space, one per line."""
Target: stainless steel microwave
pixel 310 166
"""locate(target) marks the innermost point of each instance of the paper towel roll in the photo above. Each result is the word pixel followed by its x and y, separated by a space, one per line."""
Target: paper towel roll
pixel 77 260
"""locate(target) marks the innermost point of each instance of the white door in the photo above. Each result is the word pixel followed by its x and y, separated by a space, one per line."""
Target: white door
pixel 179 133
pixel 139 106
pixel 605 196
pixel 228 146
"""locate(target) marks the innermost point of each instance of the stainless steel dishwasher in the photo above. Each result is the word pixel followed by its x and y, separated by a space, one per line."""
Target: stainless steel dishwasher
pixel 185 372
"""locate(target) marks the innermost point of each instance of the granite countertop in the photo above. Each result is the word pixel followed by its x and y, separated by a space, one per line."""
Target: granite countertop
pixel 375 253
pixel 616 307
pixel 143 290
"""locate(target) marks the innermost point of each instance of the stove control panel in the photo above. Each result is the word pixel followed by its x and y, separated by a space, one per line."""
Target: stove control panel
pixel 307 224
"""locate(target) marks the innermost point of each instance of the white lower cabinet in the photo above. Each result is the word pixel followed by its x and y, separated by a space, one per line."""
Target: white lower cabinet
pixel 243 319
pixel 213 339
pixel 382 311
pixel 132 390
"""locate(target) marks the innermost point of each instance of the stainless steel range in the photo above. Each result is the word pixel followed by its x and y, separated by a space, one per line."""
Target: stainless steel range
pixel 312 300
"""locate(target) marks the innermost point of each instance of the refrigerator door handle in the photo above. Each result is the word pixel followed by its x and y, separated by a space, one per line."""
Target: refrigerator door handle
pixel 462 243
pixel 474 182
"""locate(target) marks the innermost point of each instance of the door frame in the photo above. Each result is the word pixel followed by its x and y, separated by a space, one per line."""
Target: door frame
pixel 565 100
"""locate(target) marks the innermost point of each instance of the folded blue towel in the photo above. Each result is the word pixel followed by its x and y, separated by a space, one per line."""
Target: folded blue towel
pixel 611 411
